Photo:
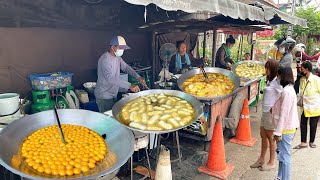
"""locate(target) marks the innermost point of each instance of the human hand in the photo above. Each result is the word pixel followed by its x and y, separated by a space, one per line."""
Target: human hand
pixel 134 88
pixel 142 81
pixel 277 138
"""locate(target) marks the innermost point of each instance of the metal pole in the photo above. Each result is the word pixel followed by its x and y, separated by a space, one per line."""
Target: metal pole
pixel 241 46
pixel 154 54
pixel 204 44
pixel 214 44
pixel 290 27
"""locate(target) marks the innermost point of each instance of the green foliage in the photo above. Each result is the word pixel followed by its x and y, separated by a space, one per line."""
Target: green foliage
pixel 312 45
pixel 246 48
pixel 313 18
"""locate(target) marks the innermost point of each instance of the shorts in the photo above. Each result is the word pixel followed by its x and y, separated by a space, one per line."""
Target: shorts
pixel 266 121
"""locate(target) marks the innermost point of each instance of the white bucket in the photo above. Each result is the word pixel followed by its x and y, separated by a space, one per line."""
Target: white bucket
pixel 9 103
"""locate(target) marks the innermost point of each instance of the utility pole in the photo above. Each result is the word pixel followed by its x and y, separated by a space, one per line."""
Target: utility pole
pixel 290 27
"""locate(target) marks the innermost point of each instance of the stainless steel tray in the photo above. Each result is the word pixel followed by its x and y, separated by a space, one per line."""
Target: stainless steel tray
pixel 197 105
pixel 247 61
pixel 189 74
pixel 119 139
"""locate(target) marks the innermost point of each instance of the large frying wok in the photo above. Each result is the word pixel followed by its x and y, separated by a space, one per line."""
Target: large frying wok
pixel 197 105
pixel 189 74
pixel 242 62
pixel 119 139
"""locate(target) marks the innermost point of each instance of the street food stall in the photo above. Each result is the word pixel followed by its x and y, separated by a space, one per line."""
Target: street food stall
pixel 30 140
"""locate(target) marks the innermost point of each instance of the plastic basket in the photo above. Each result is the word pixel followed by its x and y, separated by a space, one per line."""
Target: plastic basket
pixel 50 81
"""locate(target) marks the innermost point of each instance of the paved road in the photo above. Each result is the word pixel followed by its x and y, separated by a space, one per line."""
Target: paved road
pixel 305 162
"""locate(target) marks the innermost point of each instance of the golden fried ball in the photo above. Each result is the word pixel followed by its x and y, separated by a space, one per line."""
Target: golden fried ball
pixel 44 151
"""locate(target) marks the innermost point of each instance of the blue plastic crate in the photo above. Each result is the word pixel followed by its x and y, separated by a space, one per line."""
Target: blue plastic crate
pixel 50 81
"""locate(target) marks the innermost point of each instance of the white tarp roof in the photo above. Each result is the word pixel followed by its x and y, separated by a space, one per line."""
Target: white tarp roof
pixel 230 8
pixel 233 9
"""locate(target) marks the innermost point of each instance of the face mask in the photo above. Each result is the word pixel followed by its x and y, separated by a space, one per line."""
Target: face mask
pixel 119 52
pixel 282 50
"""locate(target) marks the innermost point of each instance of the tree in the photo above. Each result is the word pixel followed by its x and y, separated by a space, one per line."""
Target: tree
pixel 313 18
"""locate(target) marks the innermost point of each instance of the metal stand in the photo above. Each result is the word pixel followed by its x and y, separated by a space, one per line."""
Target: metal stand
pixel 147 157
pixel 176 134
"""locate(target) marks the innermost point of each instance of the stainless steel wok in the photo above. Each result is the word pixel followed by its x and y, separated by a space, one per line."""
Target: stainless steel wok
pixel 242 62
pixel 197 105
pixel 189 74
pixel 119 139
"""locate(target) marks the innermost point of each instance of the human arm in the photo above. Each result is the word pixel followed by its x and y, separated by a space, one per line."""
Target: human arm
pixel 172 65
pixel 108 72
pixel 286 103
pixel 302 86
pixel 126 68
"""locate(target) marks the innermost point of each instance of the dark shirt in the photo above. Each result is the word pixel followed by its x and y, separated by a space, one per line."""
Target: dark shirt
pixel 194 63
pixel 221 63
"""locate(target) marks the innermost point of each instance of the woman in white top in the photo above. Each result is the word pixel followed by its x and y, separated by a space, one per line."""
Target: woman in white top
pixel 270 95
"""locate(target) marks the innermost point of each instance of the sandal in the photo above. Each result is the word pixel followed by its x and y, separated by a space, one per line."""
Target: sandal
pixel 266 167
pixel 300 147
pixel 312 145
pixel 257 164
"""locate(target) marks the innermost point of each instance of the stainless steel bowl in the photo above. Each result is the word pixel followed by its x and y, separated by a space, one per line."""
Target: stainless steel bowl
pixel 242 62
pixel 90 86
pixel 189 74
pixel 197 105
pixel 119 139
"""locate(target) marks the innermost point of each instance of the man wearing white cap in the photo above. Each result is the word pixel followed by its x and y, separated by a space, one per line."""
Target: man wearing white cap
pixel 109 82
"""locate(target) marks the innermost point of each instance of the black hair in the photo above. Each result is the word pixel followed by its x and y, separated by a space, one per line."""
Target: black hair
pixel 231 40
pixel 178 44
pixel 286 76
pixel 247 53
pixel 279 41
pixel 307 65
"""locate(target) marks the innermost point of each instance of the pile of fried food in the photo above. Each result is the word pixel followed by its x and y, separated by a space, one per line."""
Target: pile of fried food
pixel 216 85
pixel 157 112
pixel 249 70
pixel 44 152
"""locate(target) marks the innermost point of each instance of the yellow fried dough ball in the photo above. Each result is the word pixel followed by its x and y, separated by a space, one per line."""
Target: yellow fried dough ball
pixel 44 152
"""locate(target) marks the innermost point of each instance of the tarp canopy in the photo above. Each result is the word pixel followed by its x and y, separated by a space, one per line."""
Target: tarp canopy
pixel 275 16
pixel 206 9
pixel 229 8
pixel 265 33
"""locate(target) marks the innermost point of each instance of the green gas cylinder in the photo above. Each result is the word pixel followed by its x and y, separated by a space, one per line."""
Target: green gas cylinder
pixel 38 107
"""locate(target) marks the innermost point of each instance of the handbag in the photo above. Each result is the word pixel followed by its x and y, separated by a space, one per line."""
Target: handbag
pixel 300 100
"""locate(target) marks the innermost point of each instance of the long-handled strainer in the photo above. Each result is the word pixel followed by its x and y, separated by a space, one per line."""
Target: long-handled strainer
pixel 59 125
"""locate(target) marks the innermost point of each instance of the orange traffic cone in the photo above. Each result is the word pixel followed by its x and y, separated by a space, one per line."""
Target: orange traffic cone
pixel 243 136
pixel 216 165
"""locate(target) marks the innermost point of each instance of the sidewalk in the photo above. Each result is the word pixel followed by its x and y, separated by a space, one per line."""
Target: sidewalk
pixel 305 162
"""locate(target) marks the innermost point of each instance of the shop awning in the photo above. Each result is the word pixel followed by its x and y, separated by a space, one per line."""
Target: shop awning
pixel 275 16
pixel 211 8
pixel 265 33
